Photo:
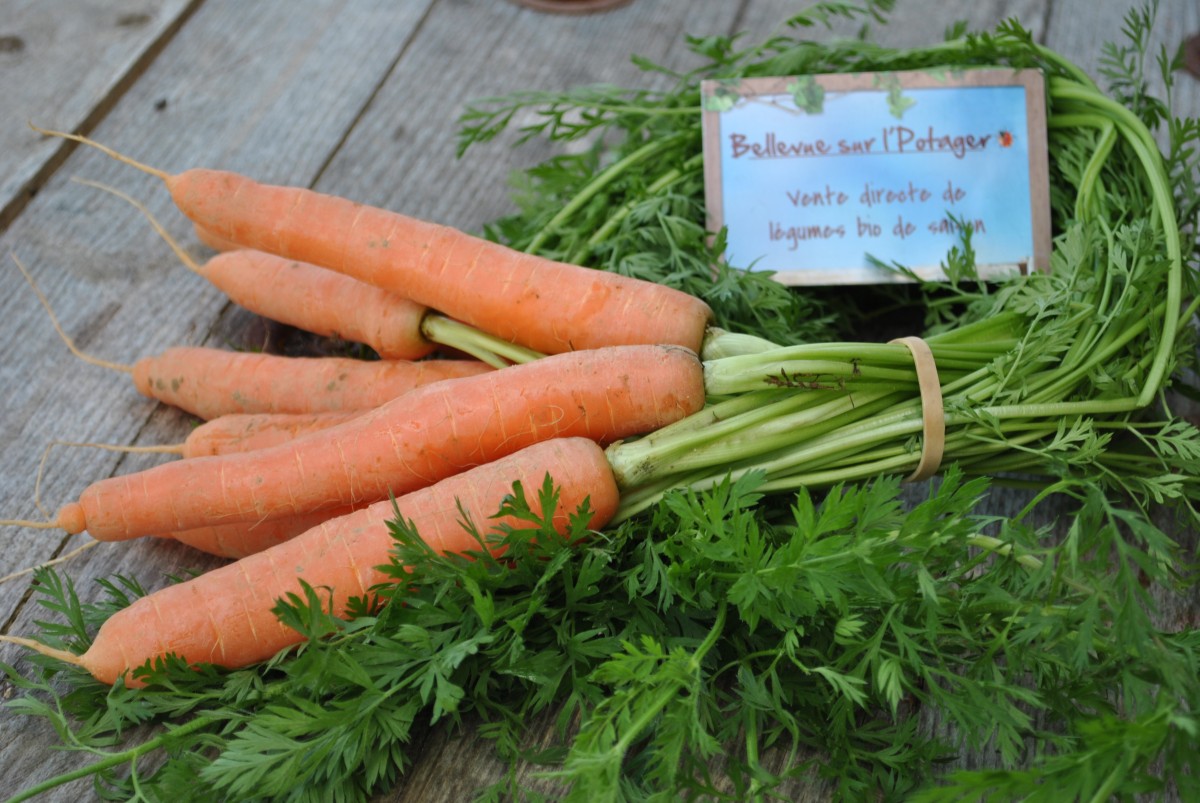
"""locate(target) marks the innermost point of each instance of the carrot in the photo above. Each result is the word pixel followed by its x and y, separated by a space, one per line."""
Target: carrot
pixel 453 337
pixel 233 432
pixel 414 440
pixel 242 432
pixel 210 382
pixel 542 304
pixel 321 301
pixel 225 616
pixel 228 435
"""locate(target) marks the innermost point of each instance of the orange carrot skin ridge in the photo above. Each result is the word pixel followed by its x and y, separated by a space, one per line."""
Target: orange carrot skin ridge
pixel 430 433
pixel 545 305
pixel 242 432
pixel 209 382
pixel 224 616
pixel 242 538
pixel 321 301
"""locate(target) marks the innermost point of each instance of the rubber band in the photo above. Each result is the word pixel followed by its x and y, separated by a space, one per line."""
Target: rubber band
pixel 933 413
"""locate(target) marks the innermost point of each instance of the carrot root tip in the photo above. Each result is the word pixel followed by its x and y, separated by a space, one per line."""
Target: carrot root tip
pixel 72 519
pixel 51 652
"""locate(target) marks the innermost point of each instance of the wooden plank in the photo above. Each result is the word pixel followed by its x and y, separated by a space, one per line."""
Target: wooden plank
pixel 68 65
pixel 355 98
pixel 401 154
pixel 268 88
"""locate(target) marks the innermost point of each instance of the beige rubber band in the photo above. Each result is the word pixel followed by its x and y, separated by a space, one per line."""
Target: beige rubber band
pixel 933 444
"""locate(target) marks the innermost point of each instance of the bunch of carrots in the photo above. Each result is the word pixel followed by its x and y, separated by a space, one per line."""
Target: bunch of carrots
pixel 298 482
pixel 616 388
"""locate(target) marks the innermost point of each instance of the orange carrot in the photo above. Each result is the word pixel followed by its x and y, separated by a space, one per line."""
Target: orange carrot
pixel 228 435
pixel 333 305
pixel 211 382
pixel 321 301
pixel 414 440
pixel 224 617
pixel 539 303
pixel 242 432
pixel 542 304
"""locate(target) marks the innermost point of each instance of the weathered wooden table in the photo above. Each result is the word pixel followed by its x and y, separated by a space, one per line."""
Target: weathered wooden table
pixel 355 98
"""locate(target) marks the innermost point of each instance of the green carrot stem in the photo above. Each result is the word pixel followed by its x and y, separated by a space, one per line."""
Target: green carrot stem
pixel 719 344
pixel 614 220
pixel 815 364
pixel 780 418
pixel 1146 149
pixel 163 739
pixel 593 188
pixel 487 348
pixel 778 432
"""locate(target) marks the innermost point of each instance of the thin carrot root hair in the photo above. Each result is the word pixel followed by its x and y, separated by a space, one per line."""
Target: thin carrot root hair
pixel 120 157
pixel 44 649
pixel 30 524
pixel 189 262
pixel 175 448
pixel 47 564
pixel 62 333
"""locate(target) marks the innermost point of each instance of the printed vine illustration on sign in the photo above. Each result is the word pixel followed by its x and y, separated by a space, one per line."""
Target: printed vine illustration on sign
pixel 875 177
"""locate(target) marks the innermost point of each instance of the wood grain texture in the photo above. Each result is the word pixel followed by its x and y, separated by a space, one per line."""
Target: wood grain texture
pixel 268 88
pixel 69 64
pixel 355 97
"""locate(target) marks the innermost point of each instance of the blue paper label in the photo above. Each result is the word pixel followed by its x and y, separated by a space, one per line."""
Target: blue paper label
pixel 817 176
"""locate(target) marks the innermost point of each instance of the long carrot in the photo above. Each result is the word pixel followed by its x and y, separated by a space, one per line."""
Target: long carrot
pixel 542 304
pixel 414 440
pixel 229 435
pixel 225 616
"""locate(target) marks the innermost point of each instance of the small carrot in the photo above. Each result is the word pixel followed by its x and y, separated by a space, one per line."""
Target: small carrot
pixel 211 382
pixel 415 439
pixel 542 304
pixel 232 433
pixel 243 432
pixel 224 616
pixel 313 299
pixel 227 434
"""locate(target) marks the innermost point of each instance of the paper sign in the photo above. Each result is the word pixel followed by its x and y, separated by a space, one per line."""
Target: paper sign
pixel 814 176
